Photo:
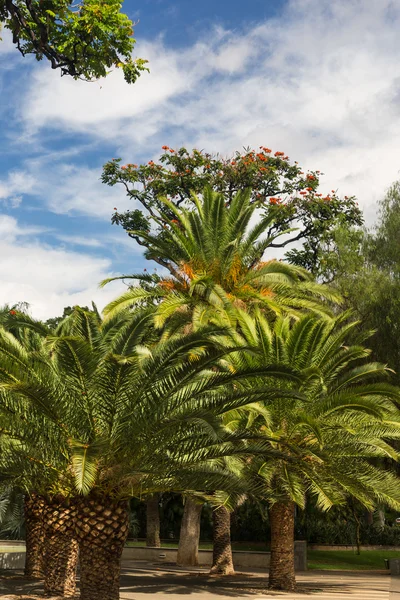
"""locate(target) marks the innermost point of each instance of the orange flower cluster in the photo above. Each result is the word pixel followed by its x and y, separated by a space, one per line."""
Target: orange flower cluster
pixel 275 200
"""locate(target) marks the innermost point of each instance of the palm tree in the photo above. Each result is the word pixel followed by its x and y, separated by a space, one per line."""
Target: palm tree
pixel 215 258
pixel 110 418
pixel 330 438
pixel 51 546
pixel 153 521
pixel 189 536
pixel 222 562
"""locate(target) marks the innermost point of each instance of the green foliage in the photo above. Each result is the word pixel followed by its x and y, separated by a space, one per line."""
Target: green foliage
pixel 287 197
pixel 367 275
pixel 214 254
pixel 93 408
pixel 83 39
pixel 333 433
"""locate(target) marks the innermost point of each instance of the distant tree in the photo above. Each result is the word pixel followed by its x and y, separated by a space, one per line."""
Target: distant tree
pixel 83 39
pixel 279 188
pixel 366 271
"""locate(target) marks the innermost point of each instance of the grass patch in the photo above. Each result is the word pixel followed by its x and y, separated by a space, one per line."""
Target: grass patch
pixel 348 560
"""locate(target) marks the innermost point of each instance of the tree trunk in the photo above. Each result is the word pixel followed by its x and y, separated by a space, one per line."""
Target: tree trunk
pixel 380 518
pixel 61 548
pixel 102 528
pixel 222 549
pixel 188 549
pixel 153 521
pixel 281 569
pixel 34 507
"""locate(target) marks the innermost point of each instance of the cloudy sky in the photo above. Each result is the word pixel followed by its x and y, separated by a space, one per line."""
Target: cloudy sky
pixel 318 79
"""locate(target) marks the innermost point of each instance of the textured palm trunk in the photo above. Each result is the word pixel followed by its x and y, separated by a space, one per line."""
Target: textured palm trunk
pixel 153 521
pixel 102 528
pixel 222 549
pixel 281 569
pixel 61 548
pixel 34 507
pixel 188 549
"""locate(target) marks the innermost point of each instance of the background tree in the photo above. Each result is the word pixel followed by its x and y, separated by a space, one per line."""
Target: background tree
pixel 366 272
pixel 82 39
pixel 281 188
pixel 153 521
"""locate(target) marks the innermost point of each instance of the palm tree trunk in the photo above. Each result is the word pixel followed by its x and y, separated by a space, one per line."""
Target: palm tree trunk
pixel 281 569
pixel 222 549
pixel 153 521
pixel 61 548
pixel 102 528
pixel 188 549
pixel 34 507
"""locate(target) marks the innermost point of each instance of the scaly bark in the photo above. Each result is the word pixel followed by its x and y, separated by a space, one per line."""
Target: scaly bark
pixel 153 521
pixel 34 506
pixel 102 528
pixel 188 549
pixel 281 569
pixel 61 548
pixel 222 549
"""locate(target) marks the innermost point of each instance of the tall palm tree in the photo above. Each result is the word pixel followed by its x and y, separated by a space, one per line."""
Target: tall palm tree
pixel 110 418
pixel 330 438
pixel 214 252
pixel 215 257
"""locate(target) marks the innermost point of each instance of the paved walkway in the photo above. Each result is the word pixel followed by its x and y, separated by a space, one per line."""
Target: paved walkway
pixel 144 581
pixel 138 582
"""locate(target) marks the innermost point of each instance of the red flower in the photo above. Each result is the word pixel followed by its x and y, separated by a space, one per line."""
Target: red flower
pixel 115 208
pixel 172 151
pixel 279 154
pixel 311 177
pixel 274 201
pixel 175 221
pixel 165 147
pixel 123 168
pixel 267 150
pixel 13 312
pixel 303 193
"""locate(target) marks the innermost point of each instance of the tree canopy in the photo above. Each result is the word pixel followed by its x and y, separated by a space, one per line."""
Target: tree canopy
pixel 83 39
pixel 279 187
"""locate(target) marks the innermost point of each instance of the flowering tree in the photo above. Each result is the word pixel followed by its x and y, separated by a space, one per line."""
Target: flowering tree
pixel 83 39
pixel 278 186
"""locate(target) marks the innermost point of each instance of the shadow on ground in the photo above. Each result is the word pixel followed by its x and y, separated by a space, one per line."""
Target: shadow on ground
pixel 148 579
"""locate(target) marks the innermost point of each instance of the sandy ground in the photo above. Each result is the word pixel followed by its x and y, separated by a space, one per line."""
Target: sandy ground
pixel 142 581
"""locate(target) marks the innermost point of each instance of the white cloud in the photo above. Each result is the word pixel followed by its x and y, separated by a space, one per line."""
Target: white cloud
pixel 67 188
pixel 16 184
pixel 6 45
pixel 321 82
pixel 48 278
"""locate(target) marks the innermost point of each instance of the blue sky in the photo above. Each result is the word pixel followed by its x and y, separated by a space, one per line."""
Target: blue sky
pixel 318 79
